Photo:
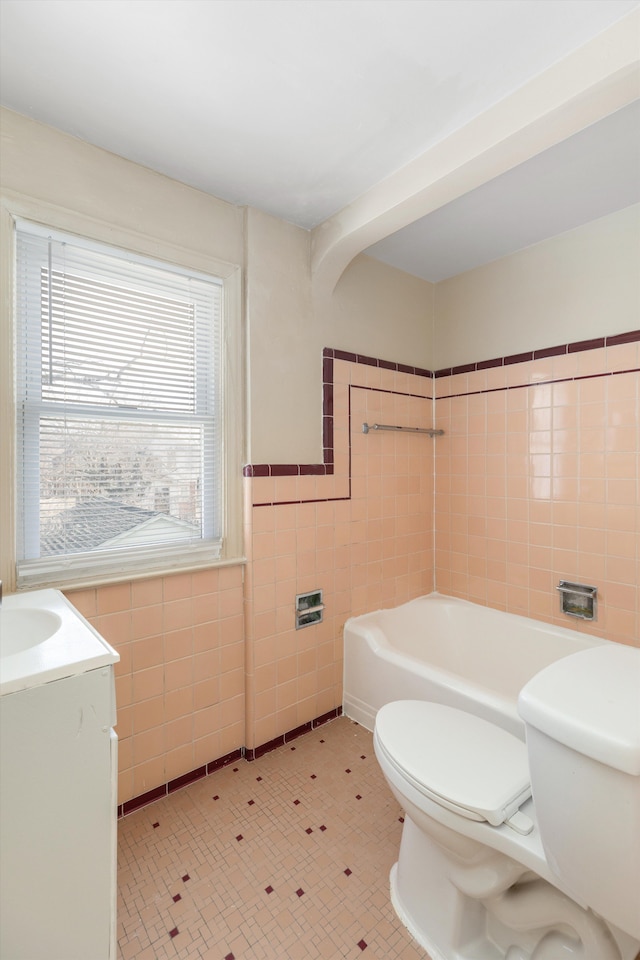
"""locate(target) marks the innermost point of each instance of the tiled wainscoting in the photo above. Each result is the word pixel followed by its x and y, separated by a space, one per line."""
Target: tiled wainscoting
pixel 536 478
pixel 180 680
pixel 362 533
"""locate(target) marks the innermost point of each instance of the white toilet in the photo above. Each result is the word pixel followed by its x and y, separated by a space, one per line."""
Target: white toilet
pixel 488 871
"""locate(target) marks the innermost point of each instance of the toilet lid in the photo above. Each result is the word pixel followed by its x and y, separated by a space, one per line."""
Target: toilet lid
pixel 462 762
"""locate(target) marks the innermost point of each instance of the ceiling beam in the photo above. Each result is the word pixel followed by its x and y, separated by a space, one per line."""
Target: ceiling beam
pixel 594 81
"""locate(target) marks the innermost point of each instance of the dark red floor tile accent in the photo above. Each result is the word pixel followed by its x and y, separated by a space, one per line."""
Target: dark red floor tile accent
pixel 230 956
pixel 358 797
pixel 323 828
pixel 174 932
pixel 186 877
pixel 217 797
pixel 363 757
pixel 308 830
pixel 347 770
pixel 155 825
pixel 296 802
pixel 268 889
pixel 347 872
pixel 239 837
pixel 313 776
pixel 401 819
pixel 300 892
pixel 258 779
pixel 251 802
pixel 362 944
pixel 177 897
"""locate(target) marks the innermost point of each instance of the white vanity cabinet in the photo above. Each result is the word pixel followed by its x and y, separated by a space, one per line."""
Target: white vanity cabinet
pixel 58 809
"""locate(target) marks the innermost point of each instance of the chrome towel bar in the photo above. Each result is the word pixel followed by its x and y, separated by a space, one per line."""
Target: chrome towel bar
pixel 430 432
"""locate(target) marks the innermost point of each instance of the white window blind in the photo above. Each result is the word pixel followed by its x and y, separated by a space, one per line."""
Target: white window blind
pixel 118 404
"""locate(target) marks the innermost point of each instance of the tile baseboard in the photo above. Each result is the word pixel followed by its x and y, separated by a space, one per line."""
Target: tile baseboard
pixel 242 753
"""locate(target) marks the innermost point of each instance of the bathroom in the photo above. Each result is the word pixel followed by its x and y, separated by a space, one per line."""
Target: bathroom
pixel 537 370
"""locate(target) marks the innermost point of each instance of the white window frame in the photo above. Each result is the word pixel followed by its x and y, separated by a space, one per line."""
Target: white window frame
pixel 141 562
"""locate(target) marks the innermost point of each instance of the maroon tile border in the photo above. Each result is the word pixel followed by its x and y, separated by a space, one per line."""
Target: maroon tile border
pixel 329 354
pixel 130 805
pixel 166 788
pixel 486 364
pixel 517 358
pixel 594 344
pixel 254 753
pixel 549 352
pixel 326 468
pixel 248 753
pixel 257 752
pixel 287 469
pixel 186 779
pixel 228 758
pixel 631 336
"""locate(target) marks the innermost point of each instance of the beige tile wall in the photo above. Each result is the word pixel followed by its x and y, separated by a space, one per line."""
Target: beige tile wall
pixel 180 679
pixel 363 536
pixel 538 480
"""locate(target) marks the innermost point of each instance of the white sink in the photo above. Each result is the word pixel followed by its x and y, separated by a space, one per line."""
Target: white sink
pixel 44 638
pixel 21 629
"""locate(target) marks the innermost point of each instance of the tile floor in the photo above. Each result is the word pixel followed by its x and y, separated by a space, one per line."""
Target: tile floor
pixel 283 858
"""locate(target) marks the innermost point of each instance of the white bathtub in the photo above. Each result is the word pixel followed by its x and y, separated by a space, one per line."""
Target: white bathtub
pixel 450 651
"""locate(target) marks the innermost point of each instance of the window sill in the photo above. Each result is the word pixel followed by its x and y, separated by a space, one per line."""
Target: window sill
pixel 124 576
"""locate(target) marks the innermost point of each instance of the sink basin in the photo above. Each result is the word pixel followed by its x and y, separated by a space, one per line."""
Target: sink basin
pixel 43 638
pixel 21 629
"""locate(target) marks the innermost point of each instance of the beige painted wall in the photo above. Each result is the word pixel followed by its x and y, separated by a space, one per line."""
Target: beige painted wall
pixel 284 359
pixel 380 311
pixel 375 310
pixel 56 169
pixel 580 285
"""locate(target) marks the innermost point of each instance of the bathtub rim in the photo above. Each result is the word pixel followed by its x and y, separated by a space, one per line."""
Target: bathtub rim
pixel 462 688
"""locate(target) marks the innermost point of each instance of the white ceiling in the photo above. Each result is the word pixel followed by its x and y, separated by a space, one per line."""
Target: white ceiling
pixel 297 107
pixel 587 176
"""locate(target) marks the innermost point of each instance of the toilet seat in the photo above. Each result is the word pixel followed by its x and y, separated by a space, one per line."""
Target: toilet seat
pixel 456 759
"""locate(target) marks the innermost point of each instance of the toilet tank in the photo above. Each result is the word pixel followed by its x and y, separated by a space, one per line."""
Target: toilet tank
pixel 582 723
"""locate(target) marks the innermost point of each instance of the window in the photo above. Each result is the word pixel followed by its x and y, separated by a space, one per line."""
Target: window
pixel 119 375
